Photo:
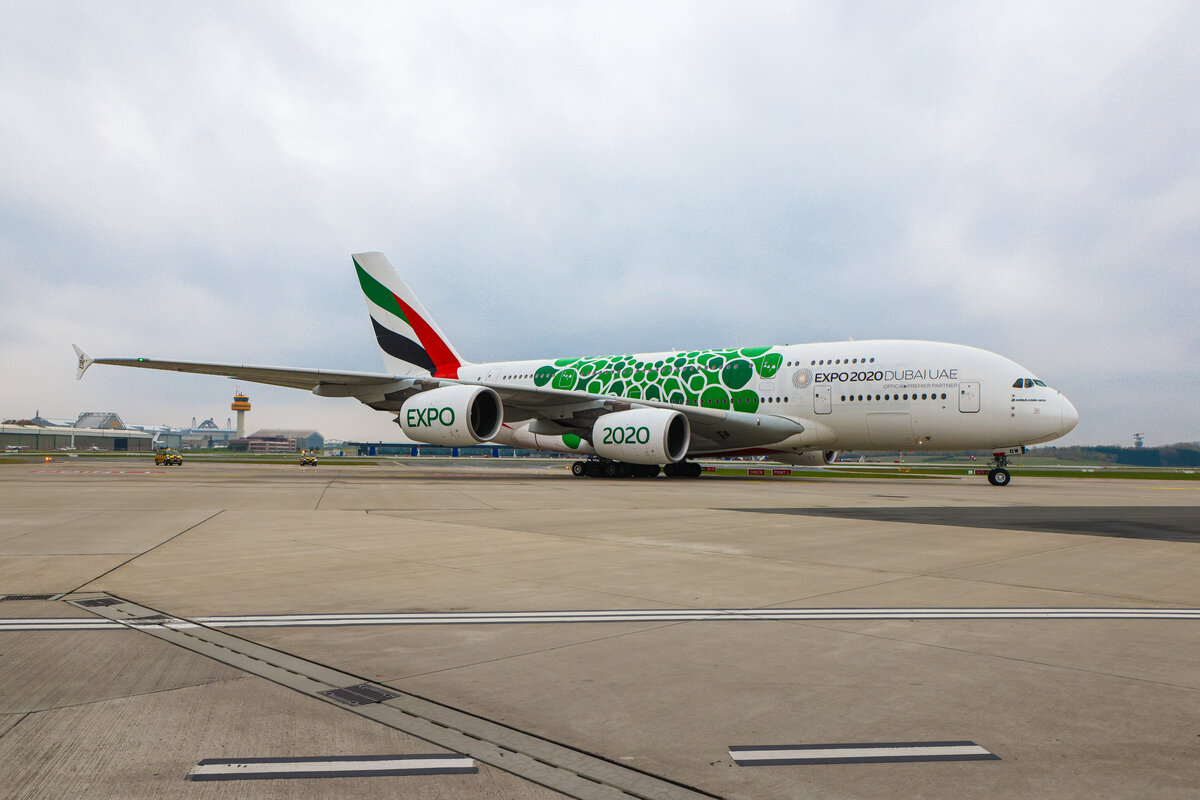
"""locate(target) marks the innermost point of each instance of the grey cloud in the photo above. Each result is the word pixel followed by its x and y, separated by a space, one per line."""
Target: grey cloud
pixel 571 179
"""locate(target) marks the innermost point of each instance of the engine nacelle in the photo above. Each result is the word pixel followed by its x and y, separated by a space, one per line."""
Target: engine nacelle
pixel 454 416
pixel 642 436
pixel 812 458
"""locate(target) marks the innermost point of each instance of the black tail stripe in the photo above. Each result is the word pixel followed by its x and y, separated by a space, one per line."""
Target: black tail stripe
pixel 400 347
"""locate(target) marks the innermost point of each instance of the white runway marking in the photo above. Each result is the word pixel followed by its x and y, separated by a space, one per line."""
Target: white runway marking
pixel 878 753
pixel 613 615
pixel 99 471
pixel 220 769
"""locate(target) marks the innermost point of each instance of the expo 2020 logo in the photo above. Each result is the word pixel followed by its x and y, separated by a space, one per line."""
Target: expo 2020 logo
pixel 801 378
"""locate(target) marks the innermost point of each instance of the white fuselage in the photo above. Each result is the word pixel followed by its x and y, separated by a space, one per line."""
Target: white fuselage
pixel 876 395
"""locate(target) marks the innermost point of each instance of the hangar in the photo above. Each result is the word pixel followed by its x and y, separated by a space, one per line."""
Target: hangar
pixel 41 437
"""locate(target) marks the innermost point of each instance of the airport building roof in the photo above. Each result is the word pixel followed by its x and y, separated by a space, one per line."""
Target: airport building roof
pixel 286 433
pixel 100 419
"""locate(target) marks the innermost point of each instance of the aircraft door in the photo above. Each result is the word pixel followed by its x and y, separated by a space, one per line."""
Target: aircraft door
pixel 822 401
pixel 968 397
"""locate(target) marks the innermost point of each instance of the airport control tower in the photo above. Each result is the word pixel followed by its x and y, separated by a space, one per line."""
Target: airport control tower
pixel 241 404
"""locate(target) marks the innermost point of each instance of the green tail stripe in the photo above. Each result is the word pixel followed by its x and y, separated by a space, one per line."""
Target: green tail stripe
pixel 379 294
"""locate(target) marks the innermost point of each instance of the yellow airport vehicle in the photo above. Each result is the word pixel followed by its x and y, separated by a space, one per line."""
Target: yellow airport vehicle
pixel 167 458
pixel 308 460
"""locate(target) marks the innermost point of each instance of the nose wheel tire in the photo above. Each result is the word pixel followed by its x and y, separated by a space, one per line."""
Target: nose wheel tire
pixel 999 477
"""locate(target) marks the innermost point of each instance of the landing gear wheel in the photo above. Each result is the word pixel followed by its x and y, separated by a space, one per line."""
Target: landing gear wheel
pixel 999 477
pixel 578 469
pixel 610 470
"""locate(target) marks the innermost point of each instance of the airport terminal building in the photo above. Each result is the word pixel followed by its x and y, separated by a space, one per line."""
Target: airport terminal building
pixel 279 440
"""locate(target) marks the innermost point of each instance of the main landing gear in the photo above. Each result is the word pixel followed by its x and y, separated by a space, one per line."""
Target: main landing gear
pixel 605 468
pixel 998 474
pixel 683 469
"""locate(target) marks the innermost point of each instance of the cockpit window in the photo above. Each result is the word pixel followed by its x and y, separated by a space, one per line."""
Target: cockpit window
pixel 1029 383
pixel 1017 383
pixel 1036 382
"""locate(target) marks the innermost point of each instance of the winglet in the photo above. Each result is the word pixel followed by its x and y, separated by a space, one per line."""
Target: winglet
pixel 85 361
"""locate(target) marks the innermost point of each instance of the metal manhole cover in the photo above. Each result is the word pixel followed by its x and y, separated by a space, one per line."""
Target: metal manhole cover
pixel 361 695
pixel 97 602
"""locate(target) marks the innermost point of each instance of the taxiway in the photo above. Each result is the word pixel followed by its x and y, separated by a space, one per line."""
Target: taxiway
pixel 591 638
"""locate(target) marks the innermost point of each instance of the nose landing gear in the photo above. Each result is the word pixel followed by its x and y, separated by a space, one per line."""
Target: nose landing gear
pixel 998 474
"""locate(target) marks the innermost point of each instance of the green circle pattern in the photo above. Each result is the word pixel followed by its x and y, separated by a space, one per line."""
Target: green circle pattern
pixel 706 378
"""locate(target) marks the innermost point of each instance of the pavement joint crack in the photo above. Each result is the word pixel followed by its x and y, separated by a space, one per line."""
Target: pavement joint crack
pixel 443 725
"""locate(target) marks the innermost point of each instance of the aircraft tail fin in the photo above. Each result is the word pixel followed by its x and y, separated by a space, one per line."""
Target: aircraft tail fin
pixel 411 342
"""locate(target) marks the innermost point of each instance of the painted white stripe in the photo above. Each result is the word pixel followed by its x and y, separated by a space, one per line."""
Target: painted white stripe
pixel 57 624
pixel 882 751
pixel 234 768
pixel 614 616
pixel 100 471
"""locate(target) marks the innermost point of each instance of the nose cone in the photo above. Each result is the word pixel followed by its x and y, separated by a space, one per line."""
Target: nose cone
pixel 1068 416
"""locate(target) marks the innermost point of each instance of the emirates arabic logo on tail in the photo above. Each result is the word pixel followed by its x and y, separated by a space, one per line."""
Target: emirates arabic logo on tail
pixel 411 341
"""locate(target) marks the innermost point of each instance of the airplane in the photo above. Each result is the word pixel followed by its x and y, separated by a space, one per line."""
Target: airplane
pixel 645 414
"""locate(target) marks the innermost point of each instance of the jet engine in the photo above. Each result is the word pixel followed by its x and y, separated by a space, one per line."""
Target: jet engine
pixel 454 416
pixel 642 436
pixel 813 458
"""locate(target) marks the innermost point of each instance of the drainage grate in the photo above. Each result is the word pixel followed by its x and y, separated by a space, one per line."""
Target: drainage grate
pixel 97 602
pixel 153 619
pixel 26 597
pixel 362 695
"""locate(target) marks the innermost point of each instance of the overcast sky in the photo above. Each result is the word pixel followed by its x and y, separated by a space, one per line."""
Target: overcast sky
pixel 188 180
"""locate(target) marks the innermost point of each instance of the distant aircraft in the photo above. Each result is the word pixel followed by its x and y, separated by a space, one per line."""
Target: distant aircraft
pixel 639 414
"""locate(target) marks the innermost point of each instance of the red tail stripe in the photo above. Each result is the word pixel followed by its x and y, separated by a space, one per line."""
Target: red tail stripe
pixel 446 365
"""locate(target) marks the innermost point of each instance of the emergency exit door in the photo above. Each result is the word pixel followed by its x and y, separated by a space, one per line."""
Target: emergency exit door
pixel 822 402
pixel 968 397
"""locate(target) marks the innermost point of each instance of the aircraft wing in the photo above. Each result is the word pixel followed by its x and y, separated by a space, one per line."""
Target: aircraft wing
pixel 720 428
pixel 569 408
pixel 291 377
